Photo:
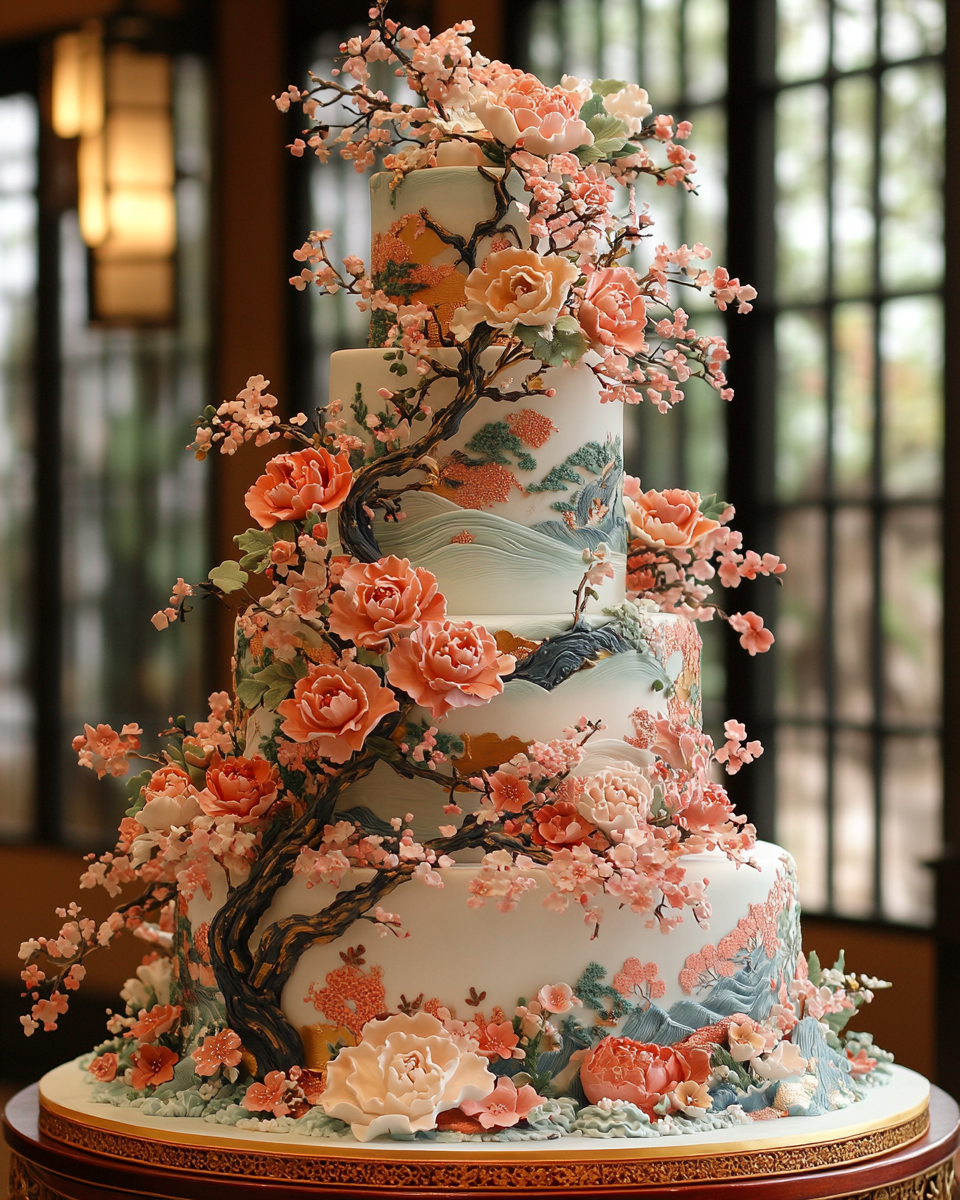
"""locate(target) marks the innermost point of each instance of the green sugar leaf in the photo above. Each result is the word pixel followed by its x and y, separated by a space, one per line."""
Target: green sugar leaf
pixel 228 577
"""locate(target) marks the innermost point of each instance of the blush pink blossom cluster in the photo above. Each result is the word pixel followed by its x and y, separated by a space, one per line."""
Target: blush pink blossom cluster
pixel 678 543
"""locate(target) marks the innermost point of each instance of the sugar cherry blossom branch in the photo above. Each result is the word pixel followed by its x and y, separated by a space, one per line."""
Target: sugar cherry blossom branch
pixel 355 520
pixel 78 939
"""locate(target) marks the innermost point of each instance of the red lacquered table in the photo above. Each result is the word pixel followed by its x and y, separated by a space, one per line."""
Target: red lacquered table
pixel 47 1168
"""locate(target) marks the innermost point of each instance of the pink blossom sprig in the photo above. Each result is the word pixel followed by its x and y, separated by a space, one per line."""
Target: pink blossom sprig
pixel 679 542
pixel 79 936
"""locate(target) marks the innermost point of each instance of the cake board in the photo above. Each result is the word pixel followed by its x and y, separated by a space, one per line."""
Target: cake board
pixel 898 1143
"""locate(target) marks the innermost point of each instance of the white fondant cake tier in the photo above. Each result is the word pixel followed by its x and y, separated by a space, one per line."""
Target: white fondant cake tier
pixel 491 532
pixel 453 947
pixel 663 681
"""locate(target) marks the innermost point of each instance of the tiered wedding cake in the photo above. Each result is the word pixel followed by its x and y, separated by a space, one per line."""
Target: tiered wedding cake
pixel 452 861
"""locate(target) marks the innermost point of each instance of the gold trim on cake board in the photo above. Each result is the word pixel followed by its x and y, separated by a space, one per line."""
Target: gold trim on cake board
pixel 462 1168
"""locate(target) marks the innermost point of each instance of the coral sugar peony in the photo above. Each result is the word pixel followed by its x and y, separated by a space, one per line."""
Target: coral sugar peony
pixel 619 1068
pixel 522 110
pixel 448 664
pixel 336 707
pixel 670 519
pixel 241 789
pixel 298 483
pixel 384 599
pixel 613 312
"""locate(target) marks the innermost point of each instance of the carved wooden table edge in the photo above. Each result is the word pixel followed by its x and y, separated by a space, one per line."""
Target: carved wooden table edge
pixel 46 1168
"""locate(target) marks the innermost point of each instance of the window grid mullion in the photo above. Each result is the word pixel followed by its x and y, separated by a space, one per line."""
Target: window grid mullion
pixel 877 483
pixel 829 514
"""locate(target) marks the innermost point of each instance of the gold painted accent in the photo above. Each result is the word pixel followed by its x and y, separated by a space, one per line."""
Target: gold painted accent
pixel 936 1183
pixel 519 647
pixel 249 1063
pixel 388 1167
pixel 317 1040
pixel 484 750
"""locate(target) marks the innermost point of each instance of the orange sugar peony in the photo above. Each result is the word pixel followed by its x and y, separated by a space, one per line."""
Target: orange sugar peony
pixel 619 1068
pixel 613 312
pixel 336 707
pixel 241 789
pixel 670 519
pixel 515 287
pixel 449 664
pixel 298 483
pixel 384 599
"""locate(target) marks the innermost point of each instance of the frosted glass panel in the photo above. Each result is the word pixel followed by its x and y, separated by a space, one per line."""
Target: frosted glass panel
pixel 911 349
pixel 852 614
pixel 801 810
pixel 912 616
pixel 911 827
pixel 801 404
pixel 801 193
pixel 800 619
pixel 18 247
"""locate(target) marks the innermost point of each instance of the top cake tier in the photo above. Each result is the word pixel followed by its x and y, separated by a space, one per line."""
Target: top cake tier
pixel 411 261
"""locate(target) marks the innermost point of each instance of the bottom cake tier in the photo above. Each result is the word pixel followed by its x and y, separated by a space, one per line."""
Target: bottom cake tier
pixel 455 948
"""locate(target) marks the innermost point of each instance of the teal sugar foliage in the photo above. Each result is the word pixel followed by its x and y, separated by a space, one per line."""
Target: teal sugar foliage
pixel 447 743
pixel 556 479
pixel 602 997
pixel 495 440
pixel 598 458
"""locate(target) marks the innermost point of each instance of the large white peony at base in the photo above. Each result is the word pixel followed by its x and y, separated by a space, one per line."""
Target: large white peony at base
pixel 403 1073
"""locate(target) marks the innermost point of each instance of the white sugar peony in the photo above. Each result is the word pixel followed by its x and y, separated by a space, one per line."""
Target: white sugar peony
pixel 630 105
pixel 403 1073
pixel 616 798
pixel 786 1062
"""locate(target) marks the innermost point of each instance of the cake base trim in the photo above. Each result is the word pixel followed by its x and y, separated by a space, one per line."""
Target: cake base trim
pixel 894 1117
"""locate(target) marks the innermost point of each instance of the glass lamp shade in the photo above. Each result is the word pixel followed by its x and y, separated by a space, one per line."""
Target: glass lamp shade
pixel 118 103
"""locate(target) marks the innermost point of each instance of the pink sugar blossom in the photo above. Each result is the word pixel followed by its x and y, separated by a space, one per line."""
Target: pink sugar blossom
pixel 104 1068
pixel 221 1049
pixel 152 1065
pixel 268 1096
pixel 505 1106
pixel 754 638
pixel 558 998
pixel 104 750
pixel 508 791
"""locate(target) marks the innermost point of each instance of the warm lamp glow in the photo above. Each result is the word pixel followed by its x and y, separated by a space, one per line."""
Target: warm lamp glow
pixel 78 83
pixel 92 193
pixel 118 103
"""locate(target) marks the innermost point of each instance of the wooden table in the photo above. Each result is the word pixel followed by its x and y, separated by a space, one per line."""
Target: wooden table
pixel 46 1169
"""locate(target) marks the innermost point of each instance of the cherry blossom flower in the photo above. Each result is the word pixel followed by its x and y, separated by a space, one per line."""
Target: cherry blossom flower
pixel 505 1106
pixel 269 1095
pixel 152 1065
pixel 159 1020
pixel 104 1067
pixel 754 638
pixel 218 1050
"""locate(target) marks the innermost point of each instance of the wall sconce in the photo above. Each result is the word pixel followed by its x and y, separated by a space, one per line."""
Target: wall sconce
pixel 117 101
